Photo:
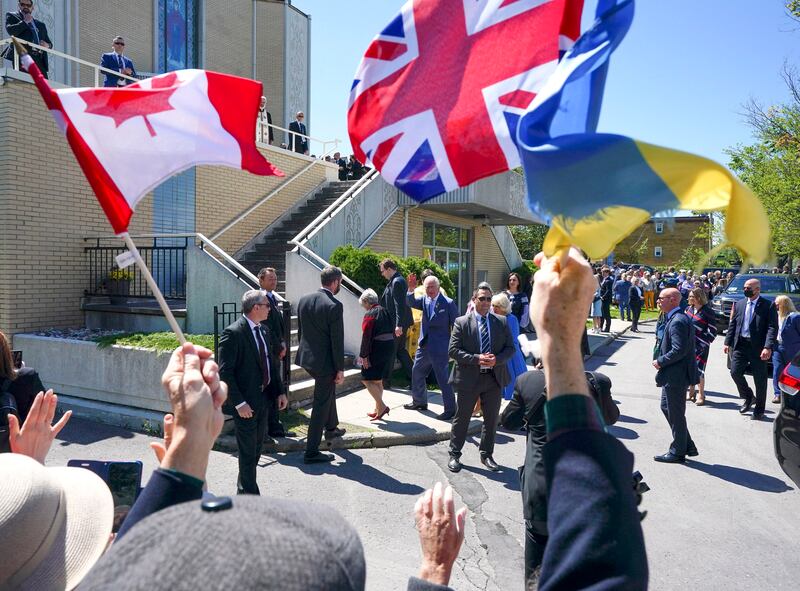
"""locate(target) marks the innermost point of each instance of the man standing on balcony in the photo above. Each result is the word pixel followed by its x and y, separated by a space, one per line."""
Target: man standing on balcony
pixel 268 280
pixel 115 60
pixel 298 143
pixel 248 365
pixel 265 120
pixel 22 25
pixel 320 327
pixel 394 302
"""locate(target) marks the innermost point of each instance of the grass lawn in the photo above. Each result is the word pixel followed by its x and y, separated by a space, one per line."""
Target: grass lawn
pixel 645 315
pixel 160 341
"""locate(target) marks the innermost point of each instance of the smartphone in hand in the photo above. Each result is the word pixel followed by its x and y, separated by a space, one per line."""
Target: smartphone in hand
pixel 124 479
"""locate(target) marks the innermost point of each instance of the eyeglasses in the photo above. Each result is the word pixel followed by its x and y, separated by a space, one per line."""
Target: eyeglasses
pixel 484 299
pixel 119 43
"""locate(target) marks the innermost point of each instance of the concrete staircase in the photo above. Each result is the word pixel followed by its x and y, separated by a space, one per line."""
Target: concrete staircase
pixel 271 250
pixel 301 387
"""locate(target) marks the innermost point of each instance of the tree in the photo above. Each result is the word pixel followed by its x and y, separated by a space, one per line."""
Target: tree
pixel 529 239
pixel 770 166
pixel 697 249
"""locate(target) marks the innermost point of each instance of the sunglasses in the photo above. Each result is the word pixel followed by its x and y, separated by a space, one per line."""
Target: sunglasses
pixel 119 43
pixel 484 299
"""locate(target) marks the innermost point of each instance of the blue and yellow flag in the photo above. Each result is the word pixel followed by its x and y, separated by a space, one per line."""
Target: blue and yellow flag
pixel 594 189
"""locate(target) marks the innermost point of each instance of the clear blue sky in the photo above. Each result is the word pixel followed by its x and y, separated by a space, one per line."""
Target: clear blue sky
pixel 679 79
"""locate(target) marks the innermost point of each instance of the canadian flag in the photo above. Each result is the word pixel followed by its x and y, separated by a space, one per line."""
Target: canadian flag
pixel 129 140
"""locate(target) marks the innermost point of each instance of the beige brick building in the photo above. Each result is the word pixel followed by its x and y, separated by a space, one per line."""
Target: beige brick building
pixel 662 240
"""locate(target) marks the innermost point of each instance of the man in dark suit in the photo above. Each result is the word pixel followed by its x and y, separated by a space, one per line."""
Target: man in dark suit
pixel 298 143
pixel 268 280
pixel 438 316
pixel 394 302
pixel 250 368
pixel 674 359
pixel 750 339
pixel 115 60
pixel 320 323
pixel 481 344
pixel 22 25
pixel 265 118
pixel 606 295
pixel 635 300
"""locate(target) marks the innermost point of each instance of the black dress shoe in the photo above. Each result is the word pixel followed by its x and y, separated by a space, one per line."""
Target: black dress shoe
pixel 284 434
pixel 746 406
pixel 318 458
pixel 692 452
pixel 415 406
pixel 454 465
pixel 334 433
pixel 757 416
pixel 445 416
pixel 670 458
pixel 489 462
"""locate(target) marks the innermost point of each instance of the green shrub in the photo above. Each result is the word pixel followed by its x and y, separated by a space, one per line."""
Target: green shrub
pixel 361 265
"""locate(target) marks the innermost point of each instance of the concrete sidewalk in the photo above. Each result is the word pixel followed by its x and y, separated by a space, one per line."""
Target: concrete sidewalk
pixel 400 426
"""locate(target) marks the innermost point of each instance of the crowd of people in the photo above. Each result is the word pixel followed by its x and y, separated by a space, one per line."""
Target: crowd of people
pixel 594 538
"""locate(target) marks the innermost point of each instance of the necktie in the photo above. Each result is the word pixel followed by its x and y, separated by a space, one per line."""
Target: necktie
pixel 262 352
pixel 120 62
pixel 430 308
pixel 486 346
pixel 748 318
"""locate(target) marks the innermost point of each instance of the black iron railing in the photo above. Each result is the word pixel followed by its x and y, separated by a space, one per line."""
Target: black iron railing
pixel 228 313
pixel 165 257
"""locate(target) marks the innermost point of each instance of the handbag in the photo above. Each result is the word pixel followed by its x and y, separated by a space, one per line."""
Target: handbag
pixel 8 405
pixel 602 397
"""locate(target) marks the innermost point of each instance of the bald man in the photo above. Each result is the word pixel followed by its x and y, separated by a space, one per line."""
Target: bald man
pixel 750 339
pixel 673 358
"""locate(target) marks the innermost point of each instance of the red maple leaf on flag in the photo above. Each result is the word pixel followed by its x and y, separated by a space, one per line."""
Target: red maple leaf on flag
pixel 121 104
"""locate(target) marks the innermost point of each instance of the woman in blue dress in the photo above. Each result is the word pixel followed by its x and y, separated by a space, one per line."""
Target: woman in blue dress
pixel 501 306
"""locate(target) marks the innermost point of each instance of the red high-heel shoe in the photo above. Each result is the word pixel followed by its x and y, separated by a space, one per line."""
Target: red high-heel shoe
pixel 380 416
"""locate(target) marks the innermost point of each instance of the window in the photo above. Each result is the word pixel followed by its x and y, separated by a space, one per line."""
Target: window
pixel 659 230
pixel 657 252
pixel 449 247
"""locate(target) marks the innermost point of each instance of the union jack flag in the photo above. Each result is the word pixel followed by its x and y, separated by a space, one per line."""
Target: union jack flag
pixel 437 97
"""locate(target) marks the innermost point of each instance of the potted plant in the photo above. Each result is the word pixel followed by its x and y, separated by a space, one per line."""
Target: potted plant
pixel 119 285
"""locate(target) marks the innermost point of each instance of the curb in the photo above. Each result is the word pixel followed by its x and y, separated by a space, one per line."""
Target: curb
pixel 360 440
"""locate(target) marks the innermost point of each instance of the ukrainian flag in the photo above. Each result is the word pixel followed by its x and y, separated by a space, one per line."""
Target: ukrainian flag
pixel 594 189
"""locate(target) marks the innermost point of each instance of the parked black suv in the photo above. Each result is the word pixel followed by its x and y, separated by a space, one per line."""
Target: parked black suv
pixel 771 287
pixel 786 429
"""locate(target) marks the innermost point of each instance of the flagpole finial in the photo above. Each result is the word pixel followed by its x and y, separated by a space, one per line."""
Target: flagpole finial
pixel 18 47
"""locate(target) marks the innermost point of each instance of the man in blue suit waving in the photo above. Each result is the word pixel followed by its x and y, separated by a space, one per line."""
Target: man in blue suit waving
pixel 115 60
pixel 438 315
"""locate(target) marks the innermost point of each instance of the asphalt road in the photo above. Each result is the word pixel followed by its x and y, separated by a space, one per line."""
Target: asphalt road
pixel 726 521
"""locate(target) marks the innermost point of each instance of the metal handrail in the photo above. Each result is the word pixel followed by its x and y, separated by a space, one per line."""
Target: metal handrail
pixel 97 69
pixel 335 141
pixel 203 240
pixel 269 196
pixel 330 212
pixel 345 279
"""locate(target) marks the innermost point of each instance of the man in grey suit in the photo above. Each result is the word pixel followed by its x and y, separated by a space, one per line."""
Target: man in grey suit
pixel 481 344
pixel 674 359
pixel 320 324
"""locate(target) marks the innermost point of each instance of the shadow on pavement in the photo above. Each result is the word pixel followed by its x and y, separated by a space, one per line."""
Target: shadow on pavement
pixel 83 432
pixel 622 432
pixel 634 420
pixel 354 469
pixel 721 395
pixel 507 476
pixel 742 477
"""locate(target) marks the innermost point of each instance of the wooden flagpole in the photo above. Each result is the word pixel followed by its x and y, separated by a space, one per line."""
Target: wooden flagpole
pixel 154 287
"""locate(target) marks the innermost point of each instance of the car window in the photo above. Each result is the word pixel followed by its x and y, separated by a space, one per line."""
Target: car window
pixel 794 286
pixel 768 284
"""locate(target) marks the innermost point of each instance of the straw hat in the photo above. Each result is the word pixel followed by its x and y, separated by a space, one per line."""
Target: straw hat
pixel 55 523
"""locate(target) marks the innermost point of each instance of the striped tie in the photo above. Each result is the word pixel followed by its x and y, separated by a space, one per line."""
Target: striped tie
pixel 486 346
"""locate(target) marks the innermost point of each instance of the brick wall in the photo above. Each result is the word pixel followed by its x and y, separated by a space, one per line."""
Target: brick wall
pixel 223 194
pixel 271 59
pixel 229 37
pixel 674 240
pixel 102 20
pixel 44 215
